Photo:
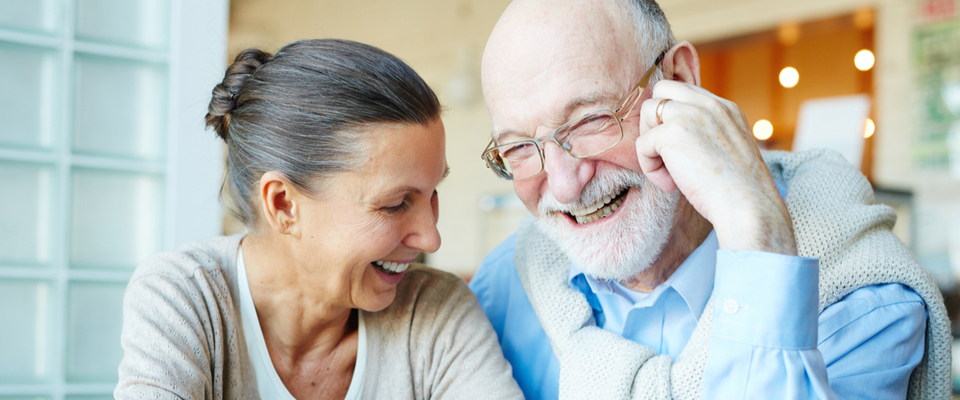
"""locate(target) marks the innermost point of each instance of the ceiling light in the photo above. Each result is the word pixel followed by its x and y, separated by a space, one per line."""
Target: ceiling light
pixel 789 77
pixel 864 60
pixel 763 129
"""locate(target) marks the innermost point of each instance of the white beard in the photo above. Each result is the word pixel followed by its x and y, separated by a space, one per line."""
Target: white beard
pixel 625 249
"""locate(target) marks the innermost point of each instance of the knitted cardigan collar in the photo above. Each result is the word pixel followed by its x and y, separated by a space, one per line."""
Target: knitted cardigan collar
pixel 834 219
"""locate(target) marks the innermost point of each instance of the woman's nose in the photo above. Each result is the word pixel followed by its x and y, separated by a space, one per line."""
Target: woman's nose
pixel 424 236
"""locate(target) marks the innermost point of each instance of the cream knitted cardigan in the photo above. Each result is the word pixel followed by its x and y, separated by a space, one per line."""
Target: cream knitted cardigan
pixel 183 338
pixel 834 219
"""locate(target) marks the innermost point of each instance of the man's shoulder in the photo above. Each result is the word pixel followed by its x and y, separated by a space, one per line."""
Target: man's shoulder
pixel 503 252
pixel 496 283
pixel 498 265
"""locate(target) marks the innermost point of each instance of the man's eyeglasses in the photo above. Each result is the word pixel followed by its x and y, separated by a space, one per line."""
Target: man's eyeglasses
pixel 586 136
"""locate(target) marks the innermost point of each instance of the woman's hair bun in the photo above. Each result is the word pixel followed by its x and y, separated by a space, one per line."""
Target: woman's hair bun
pixel 227 93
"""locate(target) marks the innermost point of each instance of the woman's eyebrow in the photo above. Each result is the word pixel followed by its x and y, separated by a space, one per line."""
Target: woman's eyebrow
pixel 409 189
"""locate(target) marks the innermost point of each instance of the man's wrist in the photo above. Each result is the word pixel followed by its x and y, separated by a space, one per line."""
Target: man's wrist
pixel 766 228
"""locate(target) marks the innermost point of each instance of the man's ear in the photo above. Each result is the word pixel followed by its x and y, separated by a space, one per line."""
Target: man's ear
pixel 279 203
pixel 681 63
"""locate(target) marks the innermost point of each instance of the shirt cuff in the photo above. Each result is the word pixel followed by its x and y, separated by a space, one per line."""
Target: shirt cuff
pixel 766 299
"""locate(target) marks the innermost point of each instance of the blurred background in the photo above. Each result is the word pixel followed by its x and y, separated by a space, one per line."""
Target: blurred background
pixel 104 160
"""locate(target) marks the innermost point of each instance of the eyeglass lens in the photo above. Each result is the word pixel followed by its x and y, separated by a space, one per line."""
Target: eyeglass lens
pixel 586 136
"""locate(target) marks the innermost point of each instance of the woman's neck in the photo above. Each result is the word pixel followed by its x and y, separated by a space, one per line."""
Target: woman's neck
pixel 296 318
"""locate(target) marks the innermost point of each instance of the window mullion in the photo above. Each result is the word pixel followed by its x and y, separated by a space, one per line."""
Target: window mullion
pixel 63 212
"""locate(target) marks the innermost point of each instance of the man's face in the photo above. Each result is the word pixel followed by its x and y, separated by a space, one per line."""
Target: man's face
pixel 545 65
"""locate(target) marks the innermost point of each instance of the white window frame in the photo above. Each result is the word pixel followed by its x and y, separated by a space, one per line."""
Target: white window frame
pixel 192 170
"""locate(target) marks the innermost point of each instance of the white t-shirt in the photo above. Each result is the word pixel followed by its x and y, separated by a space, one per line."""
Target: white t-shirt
pixel 268 382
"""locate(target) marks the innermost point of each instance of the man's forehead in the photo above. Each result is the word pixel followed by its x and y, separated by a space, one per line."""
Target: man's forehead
pixel 544 29
pixel 549 101
pixel 542 62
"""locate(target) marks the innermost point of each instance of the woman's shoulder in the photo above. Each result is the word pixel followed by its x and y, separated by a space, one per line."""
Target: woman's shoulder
pixel 426 291
pixel 179 318
pixel 424 283
pixel 193 266
pixel 419 274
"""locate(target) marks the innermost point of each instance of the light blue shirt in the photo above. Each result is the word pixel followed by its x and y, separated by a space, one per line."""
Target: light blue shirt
pixel 767 339
pixel 642 317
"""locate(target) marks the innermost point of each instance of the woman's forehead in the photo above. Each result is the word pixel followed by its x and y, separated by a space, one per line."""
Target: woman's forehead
pixel 402 155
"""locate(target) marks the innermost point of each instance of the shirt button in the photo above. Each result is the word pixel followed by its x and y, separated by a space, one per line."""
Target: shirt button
pixel 731 306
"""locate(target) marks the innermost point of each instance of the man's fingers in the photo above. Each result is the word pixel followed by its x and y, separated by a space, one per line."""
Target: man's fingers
pixel 682 91
pixel 653 112
pixel 668 111
pixel 694 96
pixel 676 92
pixel 648 155
pixel 663 180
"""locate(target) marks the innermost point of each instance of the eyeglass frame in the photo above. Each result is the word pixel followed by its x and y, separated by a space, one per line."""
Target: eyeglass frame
pixel 644 81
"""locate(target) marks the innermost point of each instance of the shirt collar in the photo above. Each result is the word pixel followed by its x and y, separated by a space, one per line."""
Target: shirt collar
pixel 693 280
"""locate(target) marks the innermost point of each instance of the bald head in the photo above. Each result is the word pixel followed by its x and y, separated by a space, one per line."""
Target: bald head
pixel 542 52
pixel 538 26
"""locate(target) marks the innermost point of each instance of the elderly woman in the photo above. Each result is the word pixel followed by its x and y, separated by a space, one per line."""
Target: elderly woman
pixel 335 150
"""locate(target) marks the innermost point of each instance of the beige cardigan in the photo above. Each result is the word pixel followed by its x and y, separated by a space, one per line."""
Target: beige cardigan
pixel 183 338
pixel 834 219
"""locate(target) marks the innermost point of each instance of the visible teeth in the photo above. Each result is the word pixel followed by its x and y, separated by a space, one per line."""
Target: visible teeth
pixel 393 266
pixel 599 209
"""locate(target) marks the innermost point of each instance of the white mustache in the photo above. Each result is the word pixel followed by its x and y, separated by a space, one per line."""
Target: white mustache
pixel 603 183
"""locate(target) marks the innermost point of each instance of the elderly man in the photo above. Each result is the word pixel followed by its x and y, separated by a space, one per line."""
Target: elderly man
pixel 667 256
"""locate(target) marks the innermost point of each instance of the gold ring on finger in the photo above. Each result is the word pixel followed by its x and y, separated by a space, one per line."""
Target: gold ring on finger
pixel 660 111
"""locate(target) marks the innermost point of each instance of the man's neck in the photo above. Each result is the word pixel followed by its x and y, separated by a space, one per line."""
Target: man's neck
pixel 689 230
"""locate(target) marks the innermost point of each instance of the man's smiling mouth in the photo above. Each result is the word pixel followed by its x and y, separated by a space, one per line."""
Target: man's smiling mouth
pixel 604 207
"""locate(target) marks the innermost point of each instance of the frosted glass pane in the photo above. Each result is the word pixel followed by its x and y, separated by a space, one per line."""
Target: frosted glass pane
pixel 25 221
pixel 143 23
pixel 29 95
pixel 117 218
pixel 120 108
pixel 94 316
pixel 24 398
pixel 24 343
pixel 31 15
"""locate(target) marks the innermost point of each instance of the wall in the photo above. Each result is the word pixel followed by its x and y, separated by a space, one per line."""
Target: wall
pixel 703 20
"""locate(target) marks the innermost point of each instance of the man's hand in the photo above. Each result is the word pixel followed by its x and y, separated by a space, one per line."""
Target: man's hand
pixel 705 148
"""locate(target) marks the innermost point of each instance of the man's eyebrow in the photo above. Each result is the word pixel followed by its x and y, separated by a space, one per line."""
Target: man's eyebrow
pixel 497 135
pixel 564 116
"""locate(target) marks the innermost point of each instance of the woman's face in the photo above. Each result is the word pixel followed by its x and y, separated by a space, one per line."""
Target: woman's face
pixel 385 213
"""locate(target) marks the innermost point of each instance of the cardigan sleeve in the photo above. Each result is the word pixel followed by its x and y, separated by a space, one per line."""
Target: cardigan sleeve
pixel 167 354
pixel 455 336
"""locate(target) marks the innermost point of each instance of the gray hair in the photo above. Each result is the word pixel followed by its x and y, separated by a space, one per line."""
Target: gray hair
pixel 302 113
pixel 653 33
